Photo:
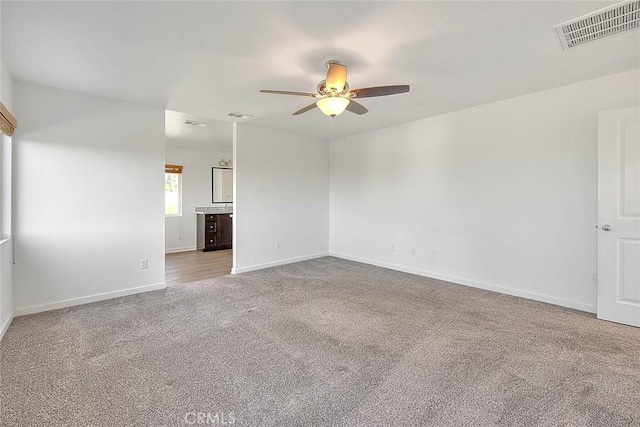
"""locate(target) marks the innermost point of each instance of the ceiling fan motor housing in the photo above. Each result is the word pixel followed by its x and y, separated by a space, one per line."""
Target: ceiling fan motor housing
pixel 322 89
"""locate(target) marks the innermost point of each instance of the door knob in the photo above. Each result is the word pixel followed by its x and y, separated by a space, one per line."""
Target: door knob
pixel 607 227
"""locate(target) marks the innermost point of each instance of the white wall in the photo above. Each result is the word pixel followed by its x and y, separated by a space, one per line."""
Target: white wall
pixel 6 89
pixel 504 193
pixel 180 232
pixel 6 286
pixel 88 198
pixel 281 194
pixel 6 248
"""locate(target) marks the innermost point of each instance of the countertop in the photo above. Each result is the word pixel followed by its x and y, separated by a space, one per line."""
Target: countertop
pixel 214 210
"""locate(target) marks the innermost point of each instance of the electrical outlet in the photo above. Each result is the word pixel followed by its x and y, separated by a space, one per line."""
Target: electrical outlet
pixel 278 244
pixel 433 253
pixel 144 264
pixel 393 248
pixel 594 279
pixel 413 251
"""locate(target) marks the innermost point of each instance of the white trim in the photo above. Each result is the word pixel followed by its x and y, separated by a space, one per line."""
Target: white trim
pixel 88 299
pixel 277 263
pixel 182 249
pixel 6 326
pixel 590 308
pixel 234 220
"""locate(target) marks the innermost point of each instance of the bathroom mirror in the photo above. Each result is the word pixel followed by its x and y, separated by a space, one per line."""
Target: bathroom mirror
pixel 222 185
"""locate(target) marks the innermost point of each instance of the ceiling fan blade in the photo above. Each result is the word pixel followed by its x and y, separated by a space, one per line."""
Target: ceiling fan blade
pixel 356 107
pixel 305 109
pixel 336 77
pixel 368 92
pixel 287 92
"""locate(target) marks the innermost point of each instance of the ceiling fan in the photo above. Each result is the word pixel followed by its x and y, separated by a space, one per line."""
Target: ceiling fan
pixel 334 95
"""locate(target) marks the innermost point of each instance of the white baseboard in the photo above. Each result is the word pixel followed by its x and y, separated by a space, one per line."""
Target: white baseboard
pixel 6 326
pixel 182 249
pixel 590 308
pixel 88 299
pixel 277 263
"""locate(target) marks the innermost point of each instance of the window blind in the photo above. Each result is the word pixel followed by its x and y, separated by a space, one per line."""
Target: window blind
pixel 7 121
pixel 172 169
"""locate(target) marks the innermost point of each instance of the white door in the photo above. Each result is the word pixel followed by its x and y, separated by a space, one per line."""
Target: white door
pixel 619 216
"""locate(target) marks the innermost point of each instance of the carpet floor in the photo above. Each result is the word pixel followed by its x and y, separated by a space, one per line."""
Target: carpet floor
pixel 321 342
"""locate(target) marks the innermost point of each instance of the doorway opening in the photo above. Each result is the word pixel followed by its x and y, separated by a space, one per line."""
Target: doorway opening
pixel 198 198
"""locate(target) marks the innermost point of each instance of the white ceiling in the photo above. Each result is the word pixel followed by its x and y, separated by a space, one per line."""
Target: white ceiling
pixel 216 136
pixel 208 58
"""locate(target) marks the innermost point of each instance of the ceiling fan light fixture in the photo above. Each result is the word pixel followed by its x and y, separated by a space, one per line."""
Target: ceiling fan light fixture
pixel 333 105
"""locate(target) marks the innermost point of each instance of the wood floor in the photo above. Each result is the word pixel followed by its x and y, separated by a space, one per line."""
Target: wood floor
pixel 187 267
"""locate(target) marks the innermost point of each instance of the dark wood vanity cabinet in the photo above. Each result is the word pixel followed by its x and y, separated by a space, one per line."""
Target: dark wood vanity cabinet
pixel 215 231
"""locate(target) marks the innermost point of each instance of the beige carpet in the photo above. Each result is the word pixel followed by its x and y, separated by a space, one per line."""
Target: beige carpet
pixel 322 342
